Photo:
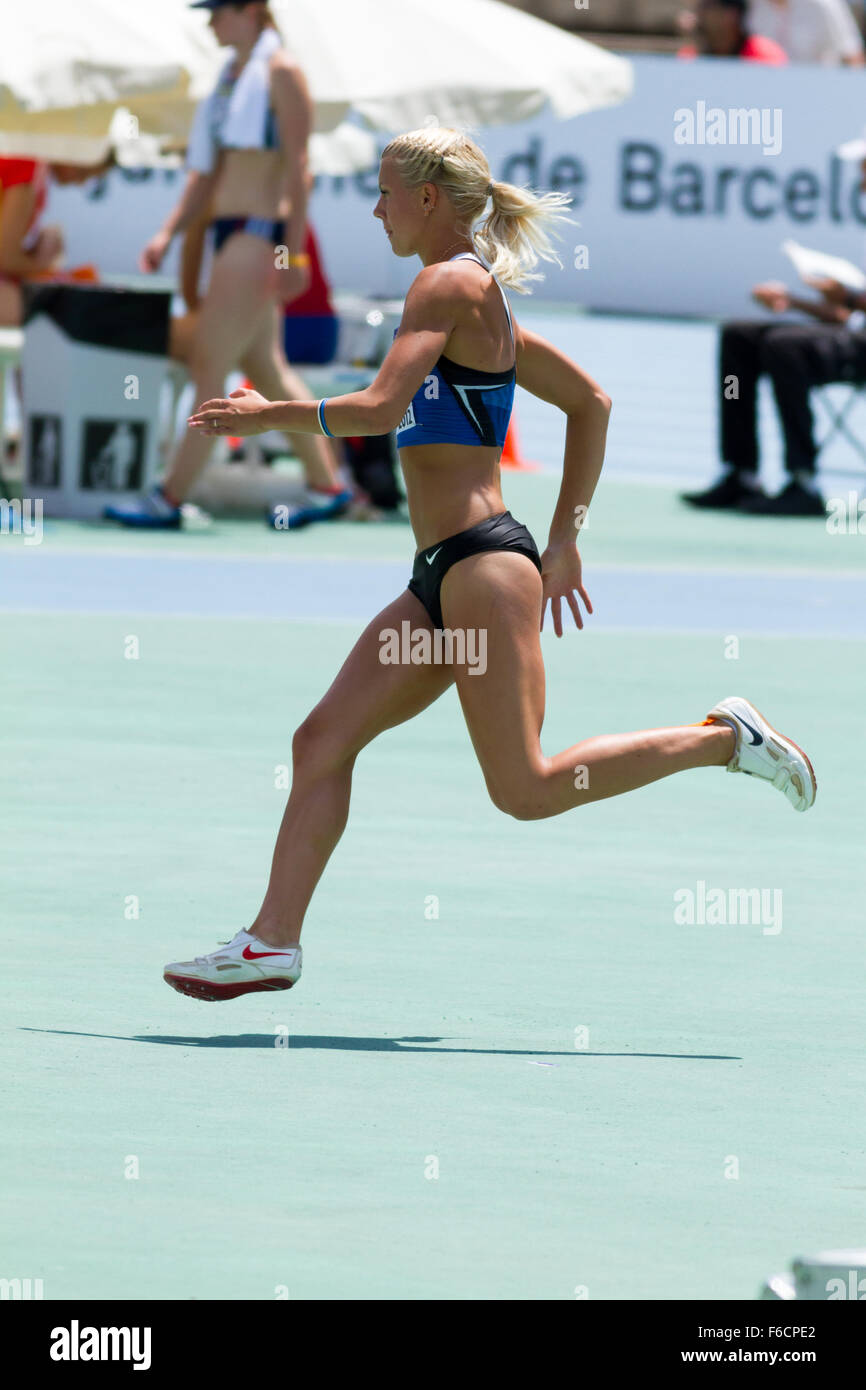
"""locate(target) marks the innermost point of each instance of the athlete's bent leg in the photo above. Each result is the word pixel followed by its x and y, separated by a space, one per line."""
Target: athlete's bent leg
pixel 504 706
pixel 264 362
pixel 366 698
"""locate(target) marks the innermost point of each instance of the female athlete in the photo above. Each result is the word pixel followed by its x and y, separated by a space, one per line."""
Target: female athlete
pixel 446 386
pixel 247 159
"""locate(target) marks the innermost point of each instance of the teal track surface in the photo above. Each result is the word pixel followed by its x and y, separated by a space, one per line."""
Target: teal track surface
pixel 508 1070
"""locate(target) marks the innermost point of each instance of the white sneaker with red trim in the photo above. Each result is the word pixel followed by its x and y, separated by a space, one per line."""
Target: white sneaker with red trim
pixel 243 965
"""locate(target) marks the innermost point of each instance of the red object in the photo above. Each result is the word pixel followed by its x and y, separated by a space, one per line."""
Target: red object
pixel 203 989
pixel 235 441
pixel 14 172
pixel 755 49
pixel 511 455
pixel 317 298
pixel 78 275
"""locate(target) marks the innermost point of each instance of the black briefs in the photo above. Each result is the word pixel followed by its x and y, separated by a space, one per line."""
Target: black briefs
pixel 500 532
pixel 273 231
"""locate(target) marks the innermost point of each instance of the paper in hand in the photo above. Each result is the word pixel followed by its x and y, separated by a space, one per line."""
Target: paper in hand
pixel 817 264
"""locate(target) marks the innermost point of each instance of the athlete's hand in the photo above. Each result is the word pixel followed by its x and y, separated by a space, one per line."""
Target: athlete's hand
pixel 562 578
pixel 831 290
pixel 773 296
pixel 240 414
pixel 153 254
pixel 290 282
pixel 49 247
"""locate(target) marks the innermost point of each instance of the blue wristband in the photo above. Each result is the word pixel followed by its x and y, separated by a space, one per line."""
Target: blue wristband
pixel 321 414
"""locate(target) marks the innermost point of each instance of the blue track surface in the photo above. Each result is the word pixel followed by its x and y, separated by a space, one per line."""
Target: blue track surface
pixel 339 589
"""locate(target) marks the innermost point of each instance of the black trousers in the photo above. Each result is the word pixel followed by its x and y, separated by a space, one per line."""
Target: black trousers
pixel 794 356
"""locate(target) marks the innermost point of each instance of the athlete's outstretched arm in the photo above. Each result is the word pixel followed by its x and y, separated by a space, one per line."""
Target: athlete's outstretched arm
pixel 553 377
pixel 429 315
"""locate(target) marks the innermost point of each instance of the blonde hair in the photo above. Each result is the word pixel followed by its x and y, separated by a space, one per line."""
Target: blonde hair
pixel 267 18
pixel 513 235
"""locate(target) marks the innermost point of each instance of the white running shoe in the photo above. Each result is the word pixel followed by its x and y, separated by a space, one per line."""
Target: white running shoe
pixel 761 751
pixel 243 966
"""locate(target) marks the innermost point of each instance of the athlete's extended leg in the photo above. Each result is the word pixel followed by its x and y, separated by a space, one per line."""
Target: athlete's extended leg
pixel 230 313
pixel 504 706
pixel 366 698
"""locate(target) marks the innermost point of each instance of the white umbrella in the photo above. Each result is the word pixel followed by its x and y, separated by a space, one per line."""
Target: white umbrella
pixel 75 82
pixel 466 62
pixel 853 149
pixel 65 68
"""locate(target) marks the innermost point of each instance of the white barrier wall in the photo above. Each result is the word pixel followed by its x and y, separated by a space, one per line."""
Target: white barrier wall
pixel 93 367
pixel 682 205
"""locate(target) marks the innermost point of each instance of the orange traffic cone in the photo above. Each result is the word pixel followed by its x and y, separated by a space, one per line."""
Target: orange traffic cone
pixel 236 441
pixel 511 455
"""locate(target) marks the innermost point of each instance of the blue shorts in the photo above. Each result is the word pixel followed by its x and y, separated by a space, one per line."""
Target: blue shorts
pixel 310 337
pixel 270 231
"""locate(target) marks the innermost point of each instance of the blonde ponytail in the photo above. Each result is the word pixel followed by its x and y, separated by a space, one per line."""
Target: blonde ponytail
pixel 513 236
pixel 267 20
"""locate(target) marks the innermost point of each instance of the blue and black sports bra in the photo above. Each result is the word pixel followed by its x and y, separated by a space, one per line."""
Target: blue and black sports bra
pixel 460 405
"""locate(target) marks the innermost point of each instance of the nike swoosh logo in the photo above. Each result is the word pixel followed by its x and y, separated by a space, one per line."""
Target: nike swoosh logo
pixel 757 737
pixel 431 558
pixel 260 955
